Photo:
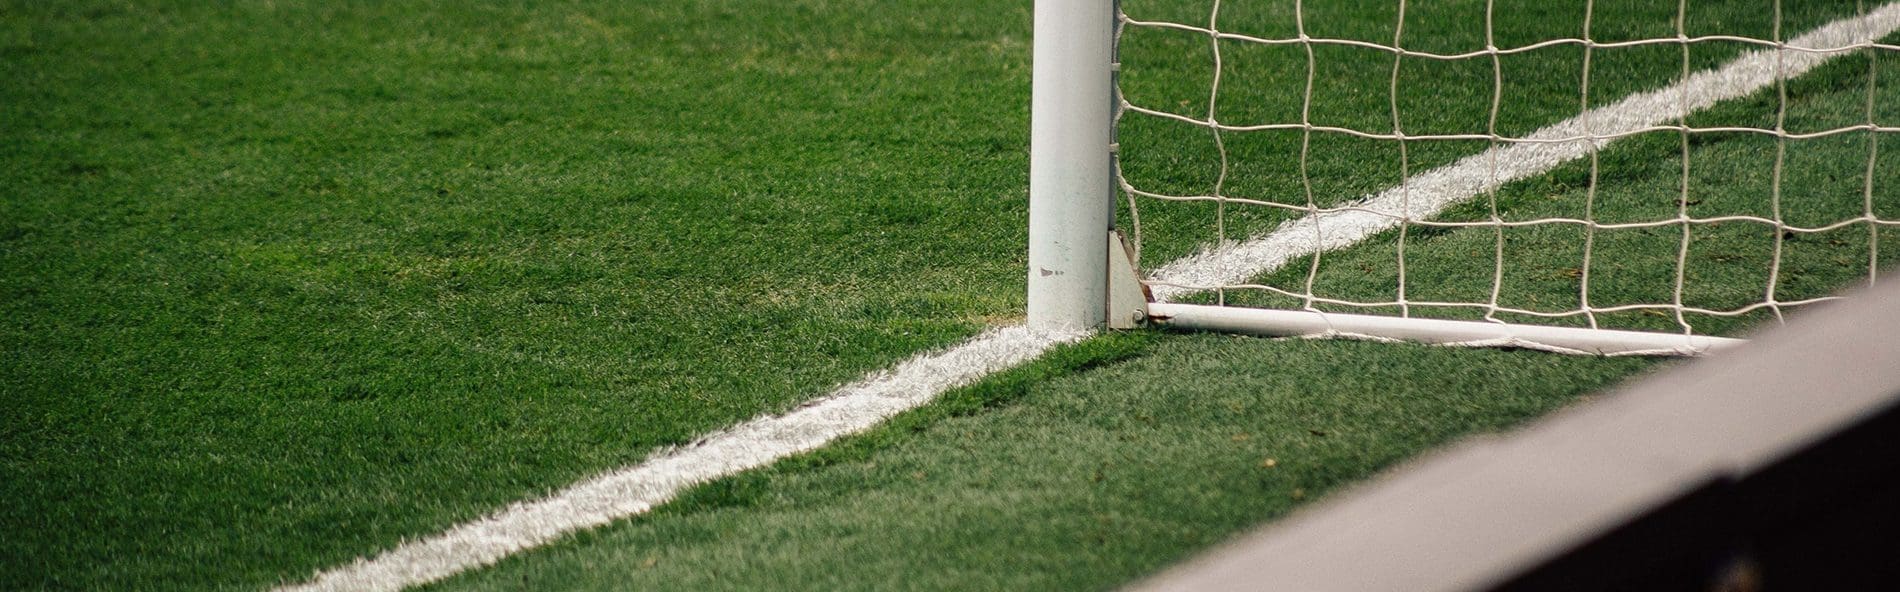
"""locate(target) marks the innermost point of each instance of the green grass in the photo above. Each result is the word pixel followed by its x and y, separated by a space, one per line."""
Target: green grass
pixel 286 283
pixel 1728 264
pixel 1072 473
pixel 1075 474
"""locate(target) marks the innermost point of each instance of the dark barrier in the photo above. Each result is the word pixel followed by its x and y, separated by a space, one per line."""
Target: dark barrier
pixel 1775 466
pixel 1825 518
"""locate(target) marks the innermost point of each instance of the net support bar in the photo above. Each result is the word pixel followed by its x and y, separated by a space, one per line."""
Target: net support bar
pixel 1071 199
pixel 1297 323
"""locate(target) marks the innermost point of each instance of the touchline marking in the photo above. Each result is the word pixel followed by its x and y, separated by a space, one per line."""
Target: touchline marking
pixel 1432 191
pixel 858 406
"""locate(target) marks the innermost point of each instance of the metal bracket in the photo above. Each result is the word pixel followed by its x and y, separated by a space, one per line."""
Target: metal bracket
pixel 1127 296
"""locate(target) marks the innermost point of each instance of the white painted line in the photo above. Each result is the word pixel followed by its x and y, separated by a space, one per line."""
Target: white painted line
pixel 1428 193
pixel 855 407
pixel 637 489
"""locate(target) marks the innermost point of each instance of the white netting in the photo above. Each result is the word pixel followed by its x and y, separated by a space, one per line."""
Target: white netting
pixel 1261 230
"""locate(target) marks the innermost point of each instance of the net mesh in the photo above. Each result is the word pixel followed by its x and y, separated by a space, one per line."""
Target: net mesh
pixel 1682 172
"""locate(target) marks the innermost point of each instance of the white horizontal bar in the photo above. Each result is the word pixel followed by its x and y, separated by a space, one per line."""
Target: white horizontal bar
pixel 1302 323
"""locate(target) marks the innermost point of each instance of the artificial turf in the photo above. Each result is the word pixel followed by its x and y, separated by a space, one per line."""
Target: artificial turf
pixel 286 283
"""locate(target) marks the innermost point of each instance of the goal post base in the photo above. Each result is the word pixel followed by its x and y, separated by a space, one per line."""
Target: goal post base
pixel 1302 323
pixel 1127 296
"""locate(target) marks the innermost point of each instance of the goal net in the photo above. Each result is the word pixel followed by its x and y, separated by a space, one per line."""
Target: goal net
pixel 1602 176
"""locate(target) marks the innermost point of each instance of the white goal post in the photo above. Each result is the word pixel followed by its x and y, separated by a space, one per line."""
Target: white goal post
pixel 1071 178
pixel 1084 272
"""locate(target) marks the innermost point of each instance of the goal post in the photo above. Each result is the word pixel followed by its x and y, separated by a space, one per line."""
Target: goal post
pixel 1262 149
pixel 1071 186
